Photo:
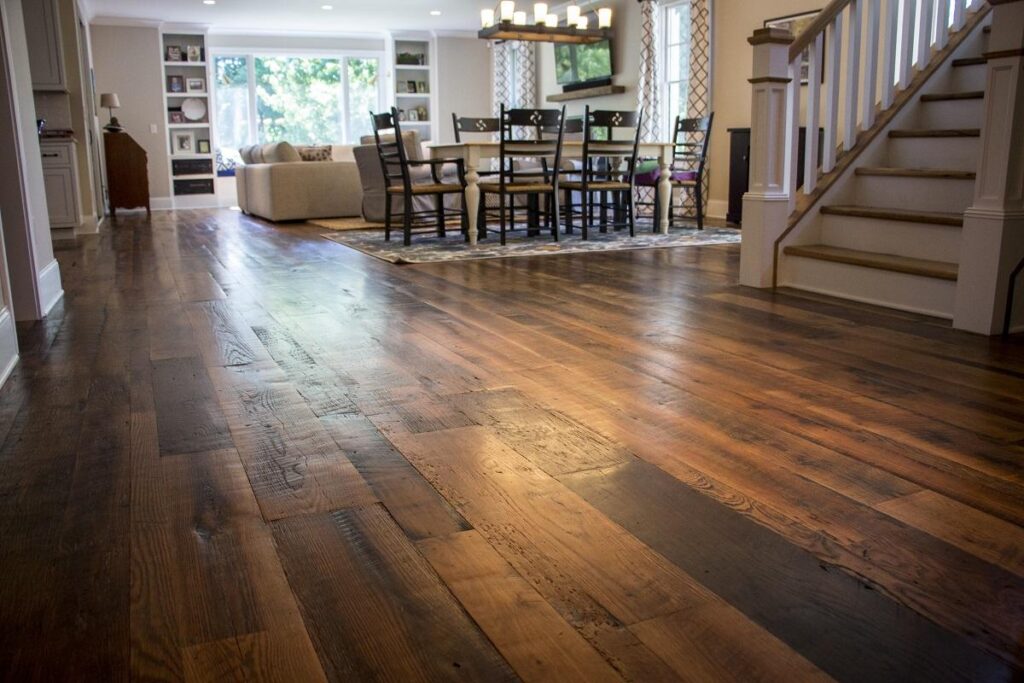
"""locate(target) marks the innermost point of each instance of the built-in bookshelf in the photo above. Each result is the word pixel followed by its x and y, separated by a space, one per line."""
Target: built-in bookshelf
pixel 415 83
pixel 187 106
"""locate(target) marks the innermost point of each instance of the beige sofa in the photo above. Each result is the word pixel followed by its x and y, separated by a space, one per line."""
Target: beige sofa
pixel 276 184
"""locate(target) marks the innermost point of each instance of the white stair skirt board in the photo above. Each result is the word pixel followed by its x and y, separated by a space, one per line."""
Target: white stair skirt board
pixel 955 153
pixel 913 240
pixel 50 290
pixel 916 194
pixel 950 114
pixel 8 345
pixel 930 296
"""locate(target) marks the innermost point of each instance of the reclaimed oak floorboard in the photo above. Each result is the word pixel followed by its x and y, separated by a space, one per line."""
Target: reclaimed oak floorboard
pixel 582 467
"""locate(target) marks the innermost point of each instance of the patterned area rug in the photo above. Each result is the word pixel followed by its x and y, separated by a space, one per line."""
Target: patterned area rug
pixel 428 248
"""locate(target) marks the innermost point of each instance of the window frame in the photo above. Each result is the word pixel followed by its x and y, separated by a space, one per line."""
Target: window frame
pixel 252 54
pixel 663 51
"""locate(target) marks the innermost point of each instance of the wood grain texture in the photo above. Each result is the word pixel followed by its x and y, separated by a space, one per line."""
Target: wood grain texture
pixel 374 607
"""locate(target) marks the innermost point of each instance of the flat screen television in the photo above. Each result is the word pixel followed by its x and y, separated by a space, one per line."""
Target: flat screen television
pixel 579 64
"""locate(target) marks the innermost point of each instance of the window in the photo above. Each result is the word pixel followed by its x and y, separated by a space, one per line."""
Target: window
pixel 306 100
pixel 676 63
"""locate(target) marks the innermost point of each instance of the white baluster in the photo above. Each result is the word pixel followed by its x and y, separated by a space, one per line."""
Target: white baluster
pixel 959 15
pixel 793 129
pixel 834 45
pixel 906 42
pixel 941 23
pixel 889 52
pixel 813 114
pixel 852 83
pixel 924 34
pixel 867 110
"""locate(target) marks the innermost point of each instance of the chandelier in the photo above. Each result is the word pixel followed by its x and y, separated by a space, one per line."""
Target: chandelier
pixel 511 24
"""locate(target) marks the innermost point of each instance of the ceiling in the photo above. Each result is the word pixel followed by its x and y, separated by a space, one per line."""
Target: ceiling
pixel 347 16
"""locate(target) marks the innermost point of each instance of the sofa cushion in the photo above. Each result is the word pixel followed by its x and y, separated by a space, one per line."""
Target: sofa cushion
pixel 246 154
pixel 342 153
pixel 314 152
pixel 410 138
pixel 279 153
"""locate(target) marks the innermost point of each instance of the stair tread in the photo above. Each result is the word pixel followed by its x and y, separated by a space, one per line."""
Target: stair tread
pixel 869 259
pixel 905 215
pixel 970 61
pixel 916 172
pixel 936 133
pixel 948 96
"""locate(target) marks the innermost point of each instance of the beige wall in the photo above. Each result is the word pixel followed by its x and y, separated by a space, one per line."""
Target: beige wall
pixel 463 81
pixel 126 60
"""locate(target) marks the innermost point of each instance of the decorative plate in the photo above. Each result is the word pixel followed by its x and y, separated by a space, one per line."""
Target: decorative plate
pixel 194 109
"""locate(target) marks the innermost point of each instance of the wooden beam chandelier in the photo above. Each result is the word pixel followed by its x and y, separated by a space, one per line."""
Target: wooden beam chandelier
pixel 511 24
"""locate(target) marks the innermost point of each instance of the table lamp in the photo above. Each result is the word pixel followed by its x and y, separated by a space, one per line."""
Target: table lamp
pixel 109 101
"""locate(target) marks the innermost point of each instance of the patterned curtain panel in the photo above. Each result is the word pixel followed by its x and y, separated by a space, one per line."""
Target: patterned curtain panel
pixel 647 91
pixel 514 76
pixel 699 102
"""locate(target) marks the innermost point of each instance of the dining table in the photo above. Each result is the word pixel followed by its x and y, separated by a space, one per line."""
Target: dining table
pixel 476 152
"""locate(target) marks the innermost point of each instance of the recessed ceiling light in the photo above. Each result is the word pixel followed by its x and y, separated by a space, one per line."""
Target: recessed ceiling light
pixel 209 2
pixel 326 6
pixel 435 12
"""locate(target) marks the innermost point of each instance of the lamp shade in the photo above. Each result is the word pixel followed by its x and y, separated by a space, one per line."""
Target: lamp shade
pixel 108 100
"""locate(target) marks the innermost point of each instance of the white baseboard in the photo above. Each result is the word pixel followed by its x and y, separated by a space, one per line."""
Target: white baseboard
pixel 717 208
pixel 161 203
pixel 50 290
pixel 87 225
pixel 8 345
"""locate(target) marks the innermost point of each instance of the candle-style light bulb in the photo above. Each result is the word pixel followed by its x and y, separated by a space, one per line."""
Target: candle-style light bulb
pixel 508 9
pixel 572 15
pixel 519 18
pixel 487 18
pixel 583 23
pixel 540 12
pixel 604 17
pixel 551 21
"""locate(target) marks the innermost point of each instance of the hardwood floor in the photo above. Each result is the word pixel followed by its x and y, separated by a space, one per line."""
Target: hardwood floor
pixel 241 451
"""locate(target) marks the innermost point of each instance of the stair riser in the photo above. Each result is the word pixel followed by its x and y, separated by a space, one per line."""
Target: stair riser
pixel 966 78
pixel 951 114
pixel 930 296
pixel 914 194
pixel 914 240
pixel 951 153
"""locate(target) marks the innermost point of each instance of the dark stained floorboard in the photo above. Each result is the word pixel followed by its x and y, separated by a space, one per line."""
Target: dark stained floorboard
pixel 239 451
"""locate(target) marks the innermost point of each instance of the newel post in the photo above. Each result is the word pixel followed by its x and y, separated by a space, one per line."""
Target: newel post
pixel 766 203
pixel 993 232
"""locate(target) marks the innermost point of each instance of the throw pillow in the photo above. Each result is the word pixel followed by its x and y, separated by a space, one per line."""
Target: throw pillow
pixel 314 152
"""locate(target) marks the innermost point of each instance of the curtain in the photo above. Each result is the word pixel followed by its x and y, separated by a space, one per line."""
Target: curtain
pixel 514 75
pixel 647 90
pixel 699 101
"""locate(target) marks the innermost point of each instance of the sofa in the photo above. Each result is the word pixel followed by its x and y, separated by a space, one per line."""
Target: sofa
pixel 280 182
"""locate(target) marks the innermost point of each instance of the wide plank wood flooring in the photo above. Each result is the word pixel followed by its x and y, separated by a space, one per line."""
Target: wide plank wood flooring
pixel 240 451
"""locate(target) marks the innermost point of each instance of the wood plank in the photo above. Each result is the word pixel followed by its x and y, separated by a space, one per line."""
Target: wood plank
pixel 982 535
pixel 189 418
pixel 527 631
pixel 870 259
pixel 374 607
pixel 223 337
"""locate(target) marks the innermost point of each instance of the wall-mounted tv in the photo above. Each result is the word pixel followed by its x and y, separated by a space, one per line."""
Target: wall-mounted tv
pixel 578 64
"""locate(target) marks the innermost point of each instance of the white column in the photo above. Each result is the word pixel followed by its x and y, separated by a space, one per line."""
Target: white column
pixel 993 233
pixel 766 204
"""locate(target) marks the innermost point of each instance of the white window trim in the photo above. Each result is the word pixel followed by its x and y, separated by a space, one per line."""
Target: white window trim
pixel 251 54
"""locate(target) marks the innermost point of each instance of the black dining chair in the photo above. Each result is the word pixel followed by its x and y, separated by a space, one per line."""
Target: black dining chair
pixel 524 134
pixel 398 179
pixel 608 169
pixel 690 141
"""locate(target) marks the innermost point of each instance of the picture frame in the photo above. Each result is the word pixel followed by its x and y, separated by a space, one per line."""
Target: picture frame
pixel 173 53
pixel 195 53
pixel 175 116
pixel 410 86
pixel 421 87
pixel 183 142
pixel 795 24
pixel 203 146
pixel 175 84
pixel 195 85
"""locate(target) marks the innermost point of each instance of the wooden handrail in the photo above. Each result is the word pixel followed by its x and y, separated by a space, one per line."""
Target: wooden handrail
pixel 820 23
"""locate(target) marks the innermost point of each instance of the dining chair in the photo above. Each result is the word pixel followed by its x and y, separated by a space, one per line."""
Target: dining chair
pixel 398 178
pixel 608 171
pixel 524 135
pixel 690 141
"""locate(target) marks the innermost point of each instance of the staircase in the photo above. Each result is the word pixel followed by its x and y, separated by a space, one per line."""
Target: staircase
pixel 891 234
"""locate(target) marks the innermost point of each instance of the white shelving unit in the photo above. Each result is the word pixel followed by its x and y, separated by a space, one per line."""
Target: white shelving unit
pixel 409 78
pixel 190 187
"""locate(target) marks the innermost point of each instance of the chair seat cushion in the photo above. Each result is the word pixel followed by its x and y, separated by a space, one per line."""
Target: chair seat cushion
pixel 516 188
pixel 431 188
pixel 650 176
pixel 598 185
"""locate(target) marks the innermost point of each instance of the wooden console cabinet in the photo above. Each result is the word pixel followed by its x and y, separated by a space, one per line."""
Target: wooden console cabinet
pixel 127 173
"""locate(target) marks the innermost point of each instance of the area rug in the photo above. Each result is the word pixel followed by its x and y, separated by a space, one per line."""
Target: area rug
pixel 428 248
pixel 353 223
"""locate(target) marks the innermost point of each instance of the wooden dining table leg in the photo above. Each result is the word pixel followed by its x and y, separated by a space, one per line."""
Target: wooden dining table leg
pixel 664 189
pixel 472 194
